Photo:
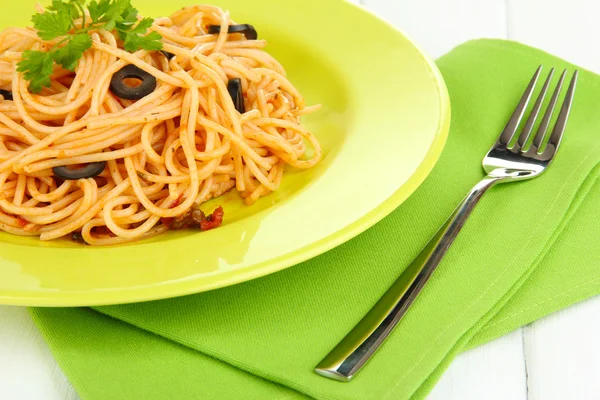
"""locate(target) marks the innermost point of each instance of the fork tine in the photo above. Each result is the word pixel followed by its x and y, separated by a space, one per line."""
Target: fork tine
pixel 535 112
pixel 514 121
pixel 561 122
pixel 541 133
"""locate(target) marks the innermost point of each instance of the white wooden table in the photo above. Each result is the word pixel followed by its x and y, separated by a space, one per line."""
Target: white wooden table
pixel 555 358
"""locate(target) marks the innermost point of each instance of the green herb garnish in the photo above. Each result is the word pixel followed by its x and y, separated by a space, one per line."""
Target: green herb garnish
pixel 58 22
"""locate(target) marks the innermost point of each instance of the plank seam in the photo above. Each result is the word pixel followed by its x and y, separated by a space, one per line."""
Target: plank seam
pixel 525 362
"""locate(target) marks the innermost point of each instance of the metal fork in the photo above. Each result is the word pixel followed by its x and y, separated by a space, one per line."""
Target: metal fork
pixel 509 160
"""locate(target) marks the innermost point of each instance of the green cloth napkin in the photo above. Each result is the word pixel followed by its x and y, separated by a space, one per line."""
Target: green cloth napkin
pixel 529 249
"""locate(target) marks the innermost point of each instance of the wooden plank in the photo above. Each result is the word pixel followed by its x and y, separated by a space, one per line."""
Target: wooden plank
pixel 563 354
pixel 566 29
pixel 495 371
pixel 439 25
pixel 27 369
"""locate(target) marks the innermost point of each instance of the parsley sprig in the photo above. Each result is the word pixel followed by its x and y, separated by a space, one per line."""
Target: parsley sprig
pixel 59 22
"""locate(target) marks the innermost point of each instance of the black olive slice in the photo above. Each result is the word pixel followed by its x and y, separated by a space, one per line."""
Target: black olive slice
pixel 234 87
pixel 89 171
pixel 247 30
pixel 119 88
pixel 77 237
pixel 6 94
pixel 167 54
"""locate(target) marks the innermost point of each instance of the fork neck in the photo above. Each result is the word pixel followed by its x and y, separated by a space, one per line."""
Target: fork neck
pixel 483 186
pixel 461 213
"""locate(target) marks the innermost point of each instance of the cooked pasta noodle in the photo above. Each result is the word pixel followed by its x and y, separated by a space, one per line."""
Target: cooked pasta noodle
pixel 182 144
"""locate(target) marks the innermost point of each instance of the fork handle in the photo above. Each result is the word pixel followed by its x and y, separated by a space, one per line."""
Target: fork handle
pixel 351 354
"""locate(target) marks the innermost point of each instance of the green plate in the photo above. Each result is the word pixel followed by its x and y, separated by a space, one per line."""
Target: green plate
pixel 383 126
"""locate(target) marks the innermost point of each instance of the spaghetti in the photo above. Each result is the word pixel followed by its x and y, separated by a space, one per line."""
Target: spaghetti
pixel 179 146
